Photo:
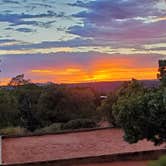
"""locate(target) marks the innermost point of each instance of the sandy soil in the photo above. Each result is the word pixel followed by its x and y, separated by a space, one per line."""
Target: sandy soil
pixel 51 147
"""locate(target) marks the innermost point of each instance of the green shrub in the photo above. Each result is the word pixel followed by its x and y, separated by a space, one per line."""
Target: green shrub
pixel 160 162
pixel 13 131
pixel 79 123
pixel 50 129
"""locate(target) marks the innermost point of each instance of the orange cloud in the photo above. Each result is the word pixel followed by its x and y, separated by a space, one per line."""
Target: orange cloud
pixel 98 70
pixel 4 81
pixel 77 75
pixel 94 69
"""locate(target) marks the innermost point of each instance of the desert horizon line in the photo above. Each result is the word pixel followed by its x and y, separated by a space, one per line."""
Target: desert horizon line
pixel 81 82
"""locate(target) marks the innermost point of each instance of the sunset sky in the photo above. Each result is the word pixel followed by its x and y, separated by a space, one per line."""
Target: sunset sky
pixel 69 41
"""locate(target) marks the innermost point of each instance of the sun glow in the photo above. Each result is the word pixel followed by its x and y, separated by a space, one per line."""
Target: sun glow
pixel 98 70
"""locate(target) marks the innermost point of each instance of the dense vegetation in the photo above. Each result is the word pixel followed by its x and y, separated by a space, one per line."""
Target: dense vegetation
pixel 26 107
pixel 139 111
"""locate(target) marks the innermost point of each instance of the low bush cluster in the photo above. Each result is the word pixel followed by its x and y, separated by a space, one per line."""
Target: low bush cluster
pixel 79 123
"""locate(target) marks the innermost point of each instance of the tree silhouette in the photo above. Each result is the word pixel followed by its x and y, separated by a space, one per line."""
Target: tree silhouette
pixel 18 80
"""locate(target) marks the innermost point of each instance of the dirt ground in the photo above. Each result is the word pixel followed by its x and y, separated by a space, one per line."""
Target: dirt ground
pixel 71 145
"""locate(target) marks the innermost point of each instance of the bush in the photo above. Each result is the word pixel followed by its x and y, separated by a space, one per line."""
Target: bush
pixel 160 162
pixel 50 129
pixel 13 131
pixel 9 114
pixel 79 123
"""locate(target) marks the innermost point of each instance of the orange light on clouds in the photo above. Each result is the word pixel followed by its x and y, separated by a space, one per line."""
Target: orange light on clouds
pixel 120 74
pixel 4 81
pixel 92 69
pixel 98 70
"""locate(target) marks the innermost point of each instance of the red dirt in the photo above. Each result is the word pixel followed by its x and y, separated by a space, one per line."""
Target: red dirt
pixel 71 145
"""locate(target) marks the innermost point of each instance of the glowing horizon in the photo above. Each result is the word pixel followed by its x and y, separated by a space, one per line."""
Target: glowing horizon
pixel 99 69
pixel 74 41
